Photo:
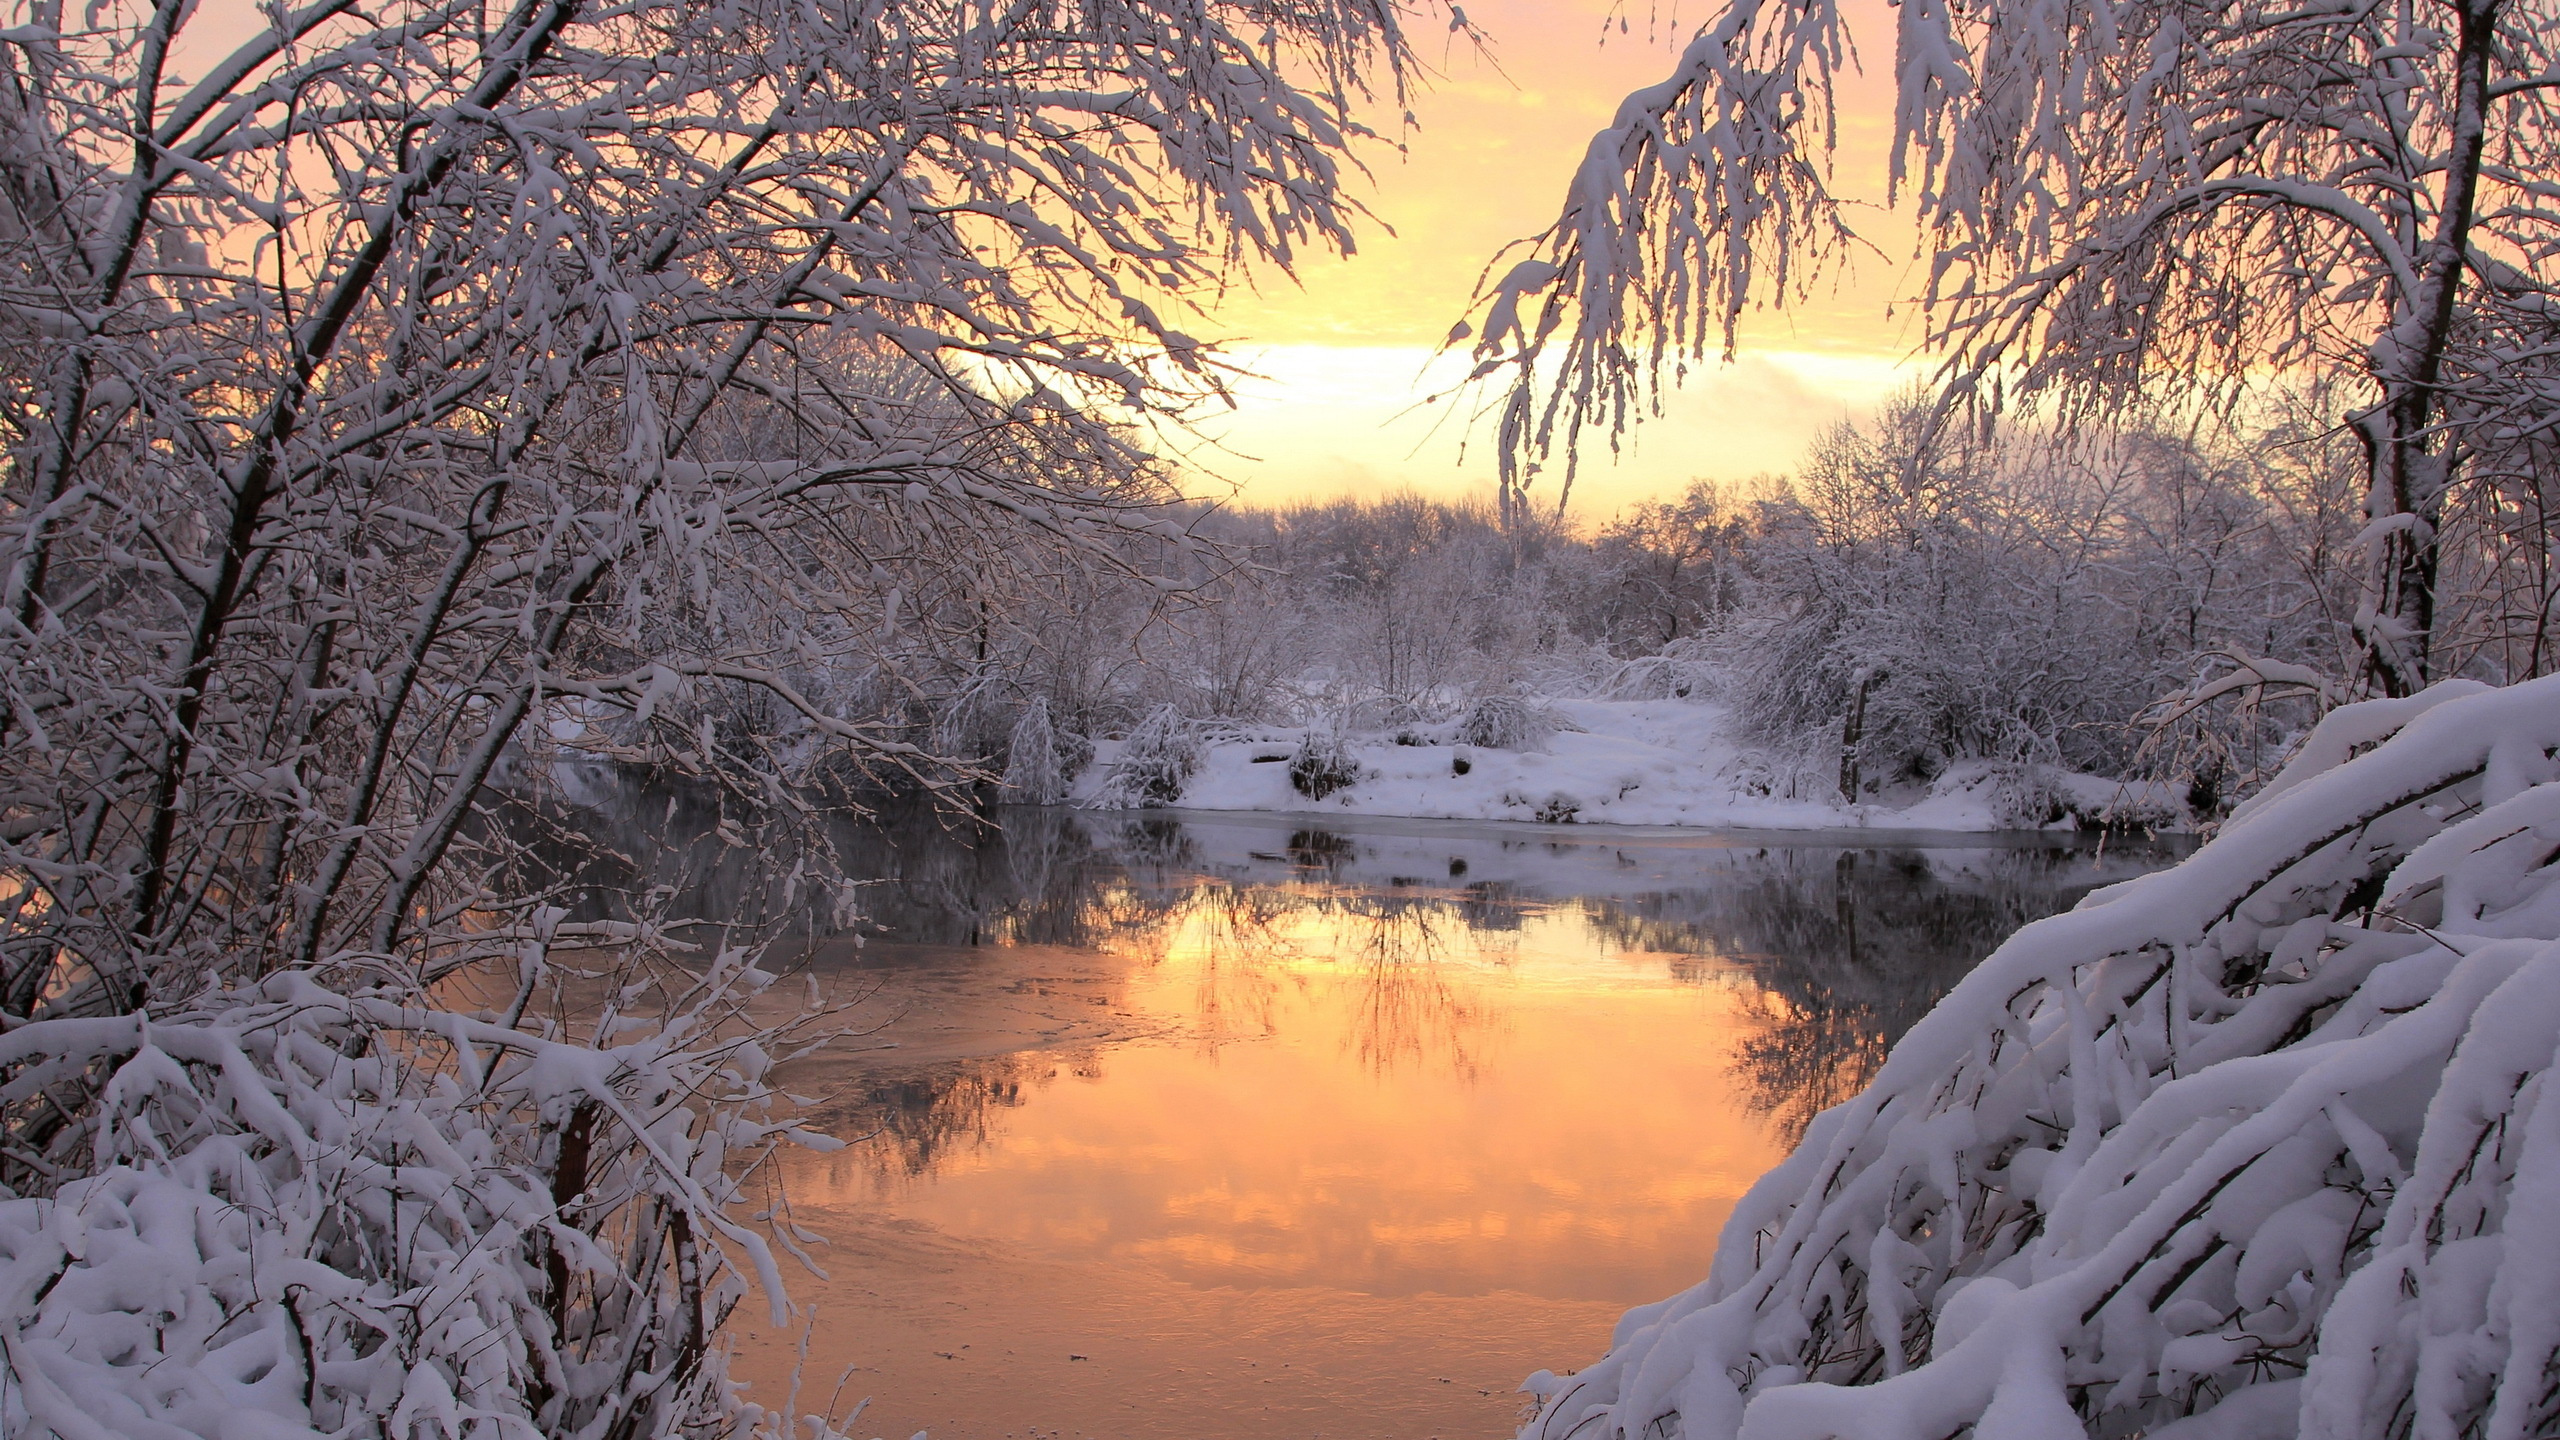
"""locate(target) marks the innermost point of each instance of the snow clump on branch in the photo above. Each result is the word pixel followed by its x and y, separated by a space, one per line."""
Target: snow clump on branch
pixel 2267 1140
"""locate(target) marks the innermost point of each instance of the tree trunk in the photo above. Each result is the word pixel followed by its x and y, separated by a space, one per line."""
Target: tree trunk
pixel 1853 732
pixel 2409 466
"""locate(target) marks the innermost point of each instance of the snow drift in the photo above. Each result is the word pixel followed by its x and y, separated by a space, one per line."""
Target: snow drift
pixel 2260 1145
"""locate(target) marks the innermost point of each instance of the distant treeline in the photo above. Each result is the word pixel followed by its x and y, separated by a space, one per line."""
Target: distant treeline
pixel 2155 604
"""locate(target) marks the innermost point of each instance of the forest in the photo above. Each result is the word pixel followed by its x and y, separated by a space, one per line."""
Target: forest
pixel 400 398
pixel 2156 606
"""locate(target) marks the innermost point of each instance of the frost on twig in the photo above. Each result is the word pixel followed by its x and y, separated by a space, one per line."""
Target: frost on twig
pixel 2261 1140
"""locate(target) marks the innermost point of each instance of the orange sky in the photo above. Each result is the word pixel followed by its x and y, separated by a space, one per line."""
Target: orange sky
pixel 1343 351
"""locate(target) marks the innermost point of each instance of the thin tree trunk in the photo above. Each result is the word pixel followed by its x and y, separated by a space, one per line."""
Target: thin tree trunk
pixel 253 484
pixel 1853 733
pixel 2409 468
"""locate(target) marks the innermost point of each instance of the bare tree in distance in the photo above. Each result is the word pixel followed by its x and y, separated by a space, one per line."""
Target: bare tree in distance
pixel 2121 204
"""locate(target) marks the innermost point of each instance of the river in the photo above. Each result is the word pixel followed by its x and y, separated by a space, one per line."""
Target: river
pixel 1225 1127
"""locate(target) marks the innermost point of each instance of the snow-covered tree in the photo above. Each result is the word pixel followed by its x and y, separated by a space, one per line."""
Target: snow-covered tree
pixel 390 389
pixel 2121 202
pixel 2262 1144
pixel 1667 569
pixel 1032 772
pixel 409 373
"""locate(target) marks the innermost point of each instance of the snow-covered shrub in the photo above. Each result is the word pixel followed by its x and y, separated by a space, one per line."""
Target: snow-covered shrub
pixel 1785 775
pixel 1685 669
pixel 1075 752
pixel 1558 808
pixel 2128 804
pixel 1504 722
pixel 1559 667
pixel 1324 763
pixel 2269 1138
pixel 1910 593
pixel 2035 797
pixel 1032 772
pixel 2027 797
pixel 1155 762
pixel 304 1212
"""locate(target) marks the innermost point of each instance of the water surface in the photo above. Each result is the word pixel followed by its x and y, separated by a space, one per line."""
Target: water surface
pixel 1238 1127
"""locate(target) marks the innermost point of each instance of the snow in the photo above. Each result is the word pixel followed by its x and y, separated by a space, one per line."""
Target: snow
pixel 319 1213
pixel 2257 1145
pixel 1637 762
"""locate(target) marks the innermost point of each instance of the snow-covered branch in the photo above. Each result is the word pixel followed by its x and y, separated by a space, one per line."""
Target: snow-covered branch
pixel 2210 1145
pixel 2122 205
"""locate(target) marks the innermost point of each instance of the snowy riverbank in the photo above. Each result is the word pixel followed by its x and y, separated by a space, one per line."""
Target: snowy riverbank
pixel 1653 762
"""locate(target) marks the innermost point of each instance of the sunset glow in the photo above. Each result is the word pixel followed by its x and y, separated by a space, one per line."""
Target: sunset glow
pixel 1345 358
pixel 1393 1121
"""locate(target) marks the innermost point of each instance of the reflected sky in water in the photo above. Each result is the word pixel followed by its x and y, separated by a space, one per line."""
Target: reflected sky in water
pixel 1238 1126
pixel 1378 1102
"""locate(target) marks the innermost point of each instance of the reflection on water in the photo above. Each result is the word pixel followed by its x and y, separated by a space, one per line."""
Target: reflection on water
pixel 1445 1096
pixel 916 1120
pixel 1846 948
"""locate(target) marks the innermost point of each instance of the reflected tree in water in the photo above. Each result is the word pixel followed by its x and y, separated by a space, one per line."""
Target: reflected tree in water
pixel 919 1119
pixel 1492 907
pixel 905 1124
pixel 1233 936
pixel 1833 952
pixel 609 847
pixel 1844 949
pixel 1410 1005
pixel 1244 941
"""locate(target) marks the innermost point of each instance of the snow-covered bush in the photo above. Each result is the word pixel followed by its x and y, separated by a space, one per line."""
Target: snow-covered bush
pixel 1154 763
pixel 1558 808
pixel 2027 797
pixel 1685 669
pixel 2269 1139
pixel 2035 797
pixel 302 1212
pixel 1504 722
pixel 1324 763
pixel 1033 774
pixel 1927 602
